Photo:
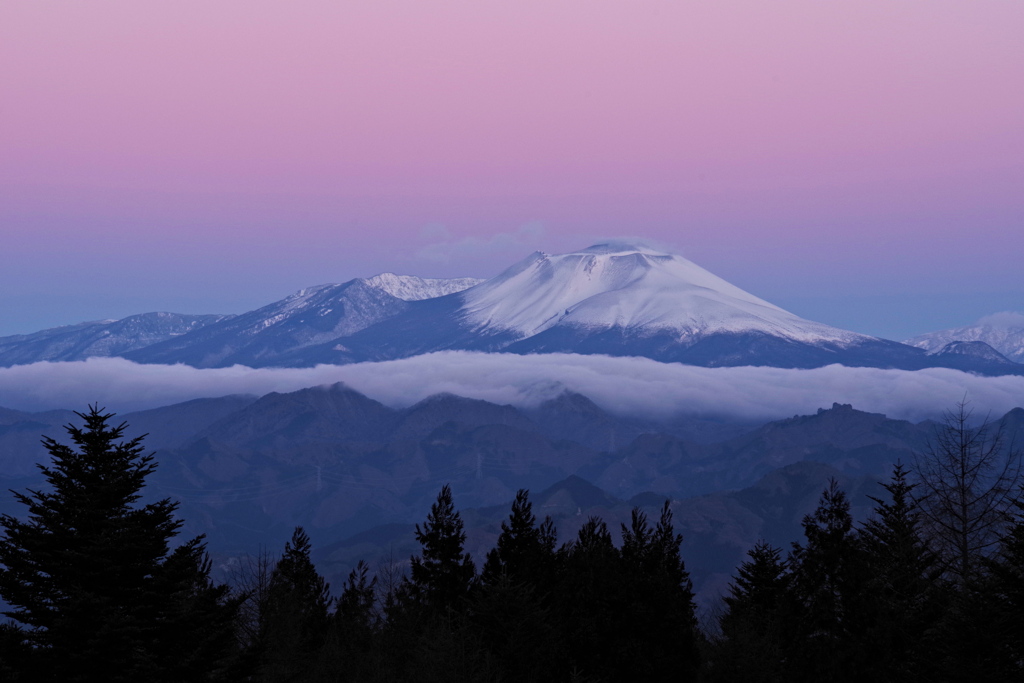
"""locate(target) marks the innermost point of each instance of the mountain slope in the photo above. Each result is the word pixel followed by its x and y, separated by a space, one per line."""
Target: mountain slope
pixel 100 338
pixel 629 287
pixel 1004 332
pixel 412 288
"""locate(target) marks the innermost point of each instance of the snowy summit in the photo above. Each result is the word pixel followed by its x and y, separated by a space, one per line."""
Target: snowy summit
pixel 633 287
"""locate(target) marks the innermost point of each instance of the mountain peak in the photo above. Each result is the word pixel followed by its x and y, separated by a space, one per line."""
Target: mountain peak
pixel 977 349
pixel 629 286
pixel 1004 332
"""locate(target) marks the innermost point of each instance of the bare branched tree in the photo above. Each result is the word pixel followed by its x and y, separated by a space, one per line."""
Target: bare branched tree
pixel 250 581
pixel 968 480
pixel 390 576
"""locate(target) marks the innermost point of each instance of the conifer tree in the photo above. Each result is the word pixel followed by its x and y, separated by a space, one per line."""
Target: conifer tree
pixel 666 548
pixel 637 542
pixel 548 535
pixel 90 576
pixel 758 622
pixel 1007 586
pixel 442 574
pixel 15 654
pixel 828 574
pixel 429 625
pixel 356 605
pixel 903 583
pixel 660 625
pixel 512 606
pixel 523 552
pixel 296 585
pixel 592 597
pixel 351 651
pixel 294 615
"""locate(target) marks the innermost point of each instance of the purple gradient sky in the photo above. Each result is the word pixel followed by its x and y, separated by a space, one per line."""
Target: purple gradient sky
pixel 860 163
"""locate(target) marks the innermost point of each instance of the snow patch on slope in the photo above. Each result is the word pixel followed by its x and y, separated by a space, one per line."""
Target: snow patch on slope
pixel 634 287
pixel 302 299
pixel 412 288
pixel 404 287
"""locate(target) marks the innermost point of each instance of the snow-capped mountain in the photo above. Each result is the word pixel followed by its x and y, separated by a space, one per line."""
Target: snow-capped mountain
pixel 974 349
pixel 99 338
pixel 632 288
pixel 1004 332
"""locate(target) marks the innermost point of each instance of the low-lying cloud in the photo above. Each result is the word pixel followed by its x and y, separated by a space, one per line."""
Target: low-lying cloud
pixel 631 386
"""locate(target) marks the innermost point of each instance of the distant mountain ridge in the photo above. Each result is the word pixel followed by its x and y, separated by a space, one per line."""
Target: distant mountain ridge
pixel 259 337
pixel 335 457
pixel 617 299
pixel 1004 332
pixel 100 338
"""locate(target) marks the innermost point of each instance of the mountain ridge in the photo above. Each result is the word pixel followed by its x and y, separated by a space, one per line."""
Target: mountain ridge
pixel 614 298
pixel 1004 332
pixel 100 337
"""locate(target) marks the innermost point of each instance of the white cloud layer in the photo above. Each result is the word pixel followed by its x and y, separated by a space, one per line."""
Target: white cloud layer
pixel 636 386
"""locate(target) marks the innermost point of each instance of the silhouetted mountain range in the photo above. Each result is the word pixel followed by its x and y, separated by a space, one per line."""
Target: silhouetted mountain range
pixel 247 469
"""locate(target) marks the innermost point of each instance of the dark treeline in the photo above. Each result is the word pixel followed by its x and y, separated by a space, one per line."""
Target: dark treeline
pixel 587 610
pixel 931 587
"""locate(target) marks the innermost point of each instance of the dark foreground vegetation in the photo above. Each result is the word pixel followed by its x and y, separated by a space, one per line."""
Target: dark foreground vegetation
pixel 930 588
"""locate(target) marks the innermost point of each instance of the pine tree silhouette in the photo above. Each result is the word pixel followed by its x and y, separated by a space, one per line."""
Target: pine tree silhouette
pixel 758 625
pixel 294 615
pixel 90 576
pixel 441 575
pixel 829 584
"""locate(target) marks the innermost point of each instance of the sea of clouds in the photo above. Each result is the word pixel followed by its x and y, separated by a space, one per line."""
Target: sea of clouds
pixel 630 386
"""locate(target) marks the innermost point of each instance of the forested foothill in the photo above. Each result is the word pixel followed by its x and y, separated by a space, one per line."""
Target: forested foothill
pixel 929 586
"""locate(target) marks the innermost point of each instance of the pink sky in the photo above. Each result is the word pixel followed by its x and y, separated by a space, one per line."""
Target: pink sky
pixel 863 161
